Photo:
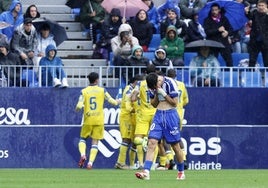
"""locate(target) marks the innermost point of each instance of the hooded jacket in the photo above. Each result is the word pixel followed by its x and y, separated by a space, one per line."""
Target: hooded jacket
pixel 110 28
pixel 174 47
pixel 7 16
pixel 125 50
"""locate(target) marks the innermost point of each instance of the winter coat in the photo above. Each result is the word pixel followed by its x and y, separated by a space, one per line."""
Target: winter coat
pixel 7 16
pixel 153 17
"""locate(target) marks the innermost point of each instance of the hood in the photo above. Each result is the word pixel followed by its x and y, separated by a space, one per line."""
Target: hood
pixel 49 48
pixel 134 48
pixel 160 49
pixel 13 5
pixel 125 27
pixel 115 12
pixel 171 28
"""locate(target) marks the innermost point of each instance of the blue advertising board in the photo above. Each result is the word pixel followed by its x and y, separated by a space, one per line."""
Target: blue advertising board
pixel 39 128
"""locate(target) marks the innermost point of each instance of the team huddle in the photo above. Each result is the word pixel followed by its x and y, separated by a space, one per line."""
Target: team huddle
pixel 151 114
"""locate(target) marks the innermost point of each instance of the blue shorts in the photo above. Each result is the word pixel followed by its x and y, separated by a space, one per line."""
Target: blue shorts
pixel 166 124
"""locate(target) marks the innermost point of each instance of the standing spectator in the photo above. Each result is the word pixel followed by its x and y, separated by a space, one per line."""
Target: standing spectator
pixel 142 29
pixel 174 19
pixel 245 36
pixel 152 15
pixel 205 69
pixel 188 7
pixel 52 69
pixel 164 97
pixel 32 12
pixel 11 73
pixel 92 100
pixel 218 28
pixel 160 60
pixel 92 16
pixel 4 5
pixel 195 30
pixel 174 46
pixel 169 4
pixel 13 16
pixel 258 41
pixel 24 42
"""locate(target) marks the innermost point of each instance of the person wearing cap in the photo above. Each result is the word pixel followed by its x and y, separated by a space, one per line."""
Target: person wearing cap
pixel 13 16
pixel 24 42
pixel 11 73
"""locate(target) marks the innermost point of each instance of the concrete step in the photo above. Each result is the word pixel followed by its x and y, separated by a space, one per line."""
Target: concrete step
pixel 76 45
pixel 60 17
pixel 43 2
pixel 50 9
pixel 75 54
pixel 77 35
pixel 85 62
pixel 83 82
pixel 71 26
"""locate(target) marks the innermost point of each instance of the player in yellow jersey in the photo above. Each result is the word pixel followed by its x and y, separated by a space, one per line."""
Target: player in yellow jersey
pixel 144 115
pixel 92 100
pixel 127 124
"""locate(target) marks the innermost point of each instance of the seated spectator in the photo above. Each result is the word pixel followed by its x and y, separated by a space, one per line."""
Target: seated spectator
pixel 24 42
pixel 205 69
pixel 173 18
pixel 32 12
pixel 52 69
pixel 245 36
pixel 169 4
pixel 161 60
pixel 13 16
pixel 44 38
pixel 188 7
pixel 174 46
pixel 91 17
pixel 10 73
pixel 142 29
pixel 152 15
pixel 122 45
pixel 136 59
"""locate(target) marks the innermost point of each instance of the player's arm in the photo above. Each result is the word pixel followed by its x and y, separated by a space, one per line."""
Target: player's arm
pixel 128 103
pixel 80 103
pixel 134 95
pixel 171 100
pixel 110 99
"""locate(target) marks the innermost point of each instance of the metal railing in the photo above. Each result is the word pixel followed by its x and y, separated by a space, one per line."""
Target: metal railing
pixel 21 76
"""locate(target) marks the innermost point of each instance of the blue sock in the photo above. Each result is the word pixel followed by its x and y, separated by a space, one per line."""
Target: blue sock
pixel 180 166
pixel 148 165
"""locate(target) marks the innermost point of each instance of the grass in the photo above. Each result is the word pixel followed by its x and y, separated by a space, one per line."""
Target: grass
pixel 104 178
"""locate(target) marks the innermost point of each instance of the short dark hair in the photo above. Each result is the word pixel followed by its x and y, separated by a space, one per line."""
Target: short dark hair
pixel 92 77
pixel 171 73
pixel 45 27
pixel 151 80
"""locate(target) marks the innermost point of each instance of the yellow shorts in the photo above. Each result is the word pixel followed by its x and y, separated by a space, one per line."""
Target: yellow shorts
pixel 92 131
pixel 143 123
pixel 127 126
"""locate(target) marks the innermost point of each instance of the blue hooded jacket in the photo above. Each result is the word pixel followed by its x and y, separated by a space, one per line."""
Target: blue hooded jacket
pixel 8 18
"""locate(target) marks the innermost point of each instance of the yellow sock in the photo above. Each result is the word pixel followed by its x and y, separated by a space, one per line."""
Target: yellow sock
pixel 82 147
pixel 132 156
pixel 162 160
pixel 93 154
pixel 169 155
pixel 140 154
pixel 122 153
pixel 138 141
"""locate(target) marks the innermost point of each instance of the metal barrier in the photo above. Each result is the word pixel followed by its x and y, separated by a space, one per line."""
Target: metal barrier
pixel 111 76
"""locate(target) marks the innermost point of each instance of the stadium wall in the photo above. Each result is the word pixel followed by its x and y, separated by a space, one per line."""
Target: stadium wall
pixel 226 129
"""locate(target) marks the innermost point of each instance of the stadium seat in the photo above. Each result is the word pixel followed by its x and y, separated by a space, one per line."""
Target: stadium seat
pixel 149 55
pixel 229 79
pixel 237 57
pixel 183 76
pixel 251 79
pixel 155 43
pixel 187 57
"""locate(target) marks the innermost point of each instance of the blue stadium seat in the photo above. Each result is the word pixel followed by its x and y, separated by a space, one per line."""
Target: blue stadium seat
pixel 237 57
pixel 251 79
pixel 149 55
pixel 155 43
pixel 183 76
pixel 187 57
pixel 230 79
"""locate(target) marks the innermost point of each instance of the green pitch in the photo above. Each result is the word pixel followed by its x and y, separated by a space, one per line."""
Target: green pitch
pixel 81 178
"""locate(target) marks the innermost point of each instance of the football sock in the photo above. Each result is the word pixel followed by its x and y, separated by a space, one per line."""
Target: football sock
pixel 148 165
pixel 82 147
pixel 140 154
pixel 93 153
pixel 180 166
pixel 122 153
pixel 155 154
pixel 132 156
pixel 162 160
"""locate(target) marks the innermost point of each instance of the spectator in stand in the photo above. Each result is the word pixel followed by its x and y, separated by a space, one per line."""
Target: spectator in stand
pixel 218 28
pixel 163 8
pixel 173 18
pixel 189 7
pixel 52 69
pixel 24 42
pixel 122 46
pixel 11 73
pixel 142 29
pixel 209 75
pixel 13 16
pixel 44 38
pixel 195 30
pixel 32 12
pixel 110 27
pixel 4 5
pixel 92 16
pixel 174 46
pixel 258 41
pixel 152 15
pixel 245 36
pixel 160 60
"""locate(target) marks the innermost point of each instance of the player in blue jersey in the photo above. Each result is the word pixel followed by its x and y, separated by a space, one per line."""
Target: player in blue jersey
pixel 164 97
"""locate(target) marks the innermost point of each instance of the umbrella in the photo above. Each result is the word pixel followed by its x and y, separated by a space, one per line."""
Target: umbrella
pixel 4 25
pixel 75 3
pixel 55 28
pixel 129 8
pixel 208 43
pixel 234 12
